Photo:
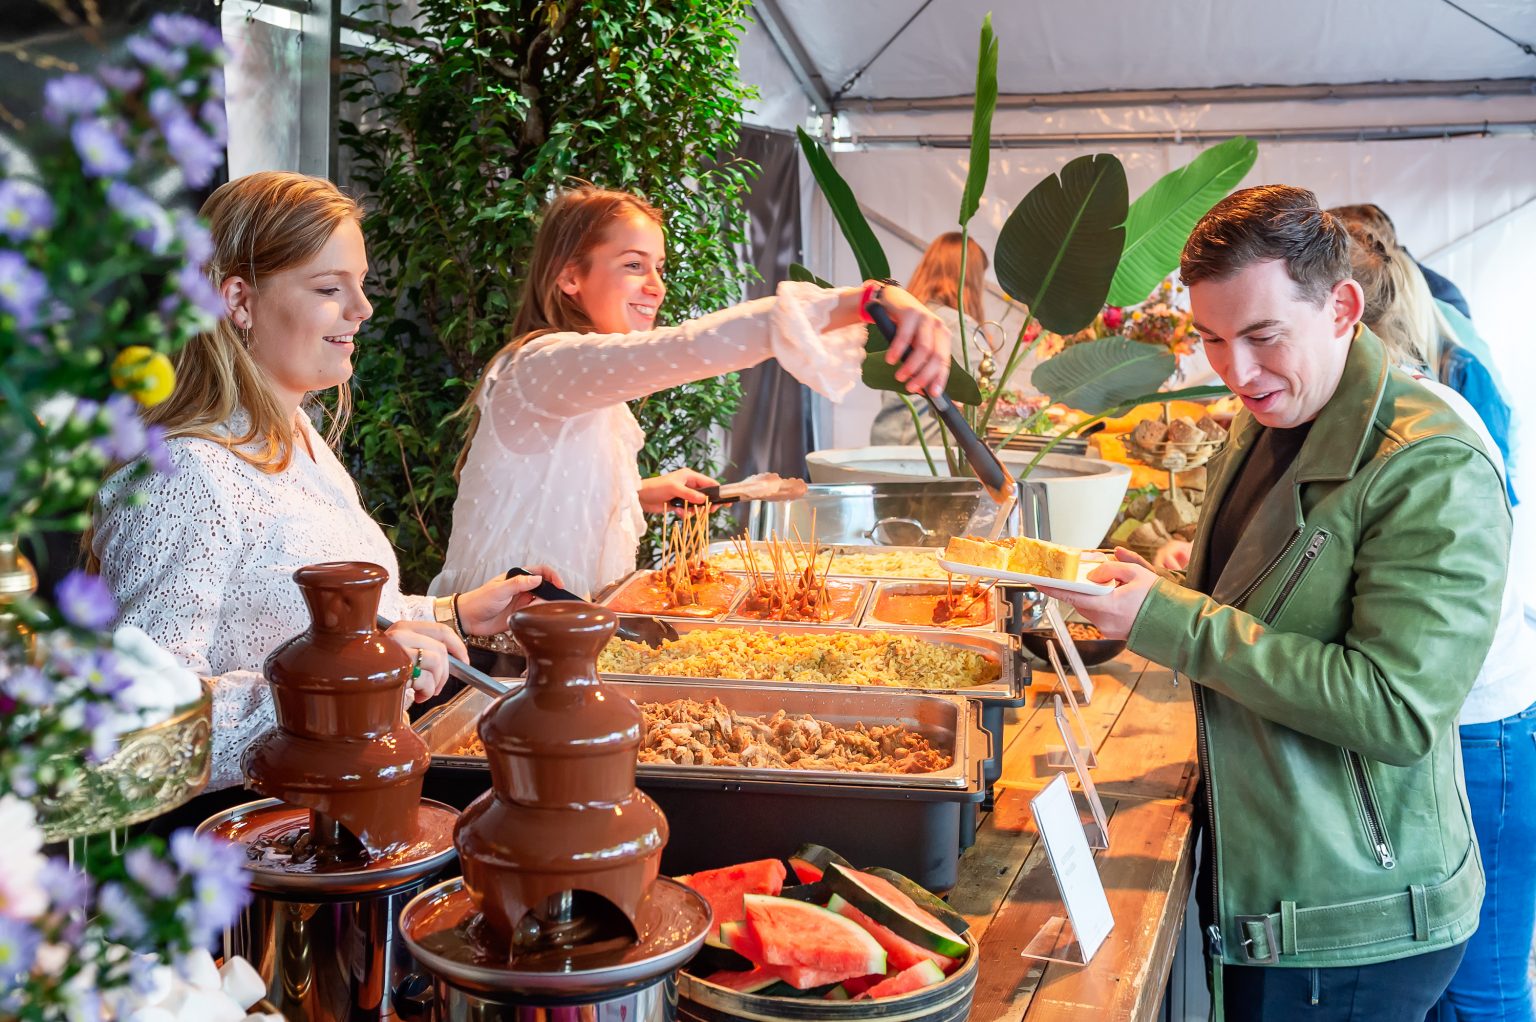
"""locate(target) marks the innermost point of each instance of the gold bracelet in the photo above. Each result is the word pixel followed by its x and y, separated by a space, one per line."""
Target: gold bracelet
pixel 443 613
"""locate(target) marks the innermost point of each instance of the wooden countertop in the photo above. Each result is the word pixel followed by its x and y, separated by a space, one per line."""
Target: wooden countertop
pixel 1143 728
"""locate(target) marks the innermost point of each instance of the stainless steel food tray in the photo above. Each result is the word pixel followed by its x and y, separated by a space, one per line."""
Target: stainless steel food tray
pixel 931 553
pixel 866 586
pixel 611 593
pixel 993 599
pixel 949 722
pixel 1001 648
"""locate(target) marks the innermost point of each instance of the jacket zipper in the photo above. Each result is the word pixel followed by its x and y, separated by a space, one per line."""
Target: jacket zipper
pixel 1375 832
pixel 1308 558
pixel 1213 938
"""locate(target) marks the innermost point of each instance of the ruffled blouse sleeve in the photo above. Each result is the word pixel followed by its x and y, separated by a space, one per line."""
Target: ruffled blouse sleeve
pixel 169 558
pixel 564 375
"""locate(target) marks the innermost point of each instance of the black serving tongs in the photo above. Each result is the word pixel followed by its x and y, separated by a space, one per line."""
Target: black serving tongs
pixel 995 479
pixel 649 630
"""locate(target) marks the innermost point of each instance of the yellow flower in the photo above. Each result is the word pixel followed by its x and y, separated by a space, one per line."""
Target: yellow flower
pixel 144 373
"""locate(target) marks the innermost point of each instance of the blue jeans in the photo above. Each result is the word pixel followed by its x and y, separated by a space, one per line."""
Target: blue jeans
pixel 1494 983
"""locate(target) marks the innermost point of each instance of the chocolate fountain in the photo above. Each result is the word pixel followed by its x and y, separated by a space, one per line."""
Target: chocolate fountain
pixel 560 913
pixel 346 838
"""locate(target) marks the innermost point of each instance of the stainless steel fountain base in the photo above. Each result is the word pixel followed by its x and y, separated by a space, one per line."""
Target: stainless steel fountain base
pixel 655 1001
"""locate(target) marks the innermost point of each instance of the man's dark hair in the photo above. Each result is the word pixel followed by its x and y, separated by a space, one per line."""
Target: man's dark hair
pixel 1269 222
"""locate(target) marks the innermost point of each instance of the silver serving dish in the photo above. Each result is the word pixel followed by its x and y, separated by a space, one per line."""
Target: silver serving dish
pixel 992 600
pixel 613 593
pixel 838 570
pixel 1002 649
pixel 864 585
pixel 949 722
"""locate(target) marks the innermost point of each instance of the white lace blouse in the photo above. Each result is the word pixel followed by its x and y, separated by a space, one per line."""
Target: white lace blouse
pixel 551 476
pixel 205 564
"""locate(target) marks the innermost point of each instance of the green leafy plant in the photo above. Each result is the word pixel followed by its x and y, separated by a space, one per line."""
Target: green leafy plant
pixel 463 127
pixel 1073 242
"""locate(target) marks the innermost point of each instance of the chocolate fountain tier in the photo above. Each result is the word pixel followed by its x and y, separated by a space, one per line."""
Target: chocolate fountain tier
pixel 447 934
pixel 342 747
pixel 563 818
pixel 277 862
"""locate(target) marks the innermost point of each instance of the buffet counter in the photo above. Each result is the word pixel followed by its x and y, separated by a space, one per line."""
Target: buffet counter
pixel 1143 727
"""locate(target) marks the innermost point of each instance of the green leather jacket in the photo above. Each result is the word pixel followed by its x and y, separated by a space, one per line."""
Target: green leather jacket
pixel 1330 662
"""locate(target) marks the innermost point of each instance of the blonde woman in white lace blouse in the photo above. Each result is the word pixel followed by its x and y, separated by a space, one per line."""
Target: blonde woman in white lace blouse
pixel 550 465
pixel 203 559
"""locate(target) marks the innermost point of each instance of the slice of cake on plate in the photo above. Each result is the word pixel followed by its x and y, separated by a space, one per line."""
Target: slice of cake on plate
pixel 1049 560
pixel 970 550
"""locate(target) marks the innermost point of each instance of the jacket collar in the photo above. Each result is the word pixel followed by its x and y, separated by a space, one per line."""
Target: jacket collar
pixel 1341 431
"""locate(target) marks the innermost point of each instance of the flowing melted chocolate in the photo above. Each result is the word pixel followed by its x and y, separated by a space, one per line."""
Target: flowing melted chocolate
pixel 563 818
pixel 342 747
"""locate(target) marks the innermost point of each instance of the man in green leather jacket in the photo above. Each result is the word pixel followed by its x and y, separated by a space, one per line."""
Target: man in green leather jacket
pixel 1341 595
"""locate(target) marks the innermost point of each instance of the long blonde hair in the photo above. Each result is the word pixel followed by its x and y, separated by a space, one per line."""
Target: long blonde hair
pixel 575 222
pixel 262 224
pixel 1399 307
pixel 937 276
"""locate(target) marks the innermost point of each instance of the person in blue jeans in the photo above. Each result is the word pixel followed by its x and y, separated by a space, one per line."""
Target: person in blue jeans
pixel 1498 720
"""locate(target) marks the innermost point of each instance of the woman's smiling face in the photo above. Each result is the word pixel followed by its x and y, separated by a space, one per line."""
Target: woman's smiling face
pixel 303 320
pixel 621 287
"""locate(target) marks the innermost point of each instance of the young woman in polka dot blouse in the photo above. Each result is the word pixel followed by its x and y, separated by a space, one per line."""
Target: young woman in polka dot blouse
pixel 549 472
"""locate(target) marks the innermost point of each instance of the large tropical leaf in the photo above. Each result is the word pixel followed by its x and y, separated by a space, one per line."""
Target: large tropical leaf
pixel 798 272
pixel 1159 222
pixel 1058 251
pixel 981 123
pixel 845 208
pixel 1095 376
pixel 878 375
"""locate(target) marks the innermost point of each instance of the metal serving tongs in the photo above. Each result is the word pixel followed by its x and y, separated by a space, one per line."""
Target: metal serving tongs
pixel 989 519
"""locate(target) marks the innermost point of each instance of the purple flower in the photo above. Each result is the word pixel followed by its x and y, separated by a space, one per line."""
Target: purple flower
pixel 216 83
pixel 29 685
pixel 220 889
pixel 22 288
pixel 124 920
pixel 100 146
pixel 215 120
pixel 152 53
pixel 183 30
pixel 85 601
pixel 25 210
pixel 197 154
pixel 196 241
pixel 67 888
pixel 156 452
pixel 155 227
pixel 123 79
pixel 155 876
pixel 18 947
pixel 72 96
pixel 195 287
pixel 126 437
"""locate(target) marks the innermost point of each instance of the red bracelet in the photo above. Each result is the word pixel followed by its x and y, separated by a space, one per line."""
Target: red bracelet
pixel 865 298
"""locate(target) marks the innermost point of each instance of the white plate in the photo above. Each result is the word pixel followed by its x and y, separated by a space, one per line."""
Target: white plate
pixel 1081 585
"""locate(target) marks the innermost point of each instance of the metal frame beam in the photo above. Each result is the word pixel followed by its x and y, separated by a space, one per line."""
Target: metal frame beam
pixel 1374 133
pixel 1458 89
pixel 319 57
pixel 793 51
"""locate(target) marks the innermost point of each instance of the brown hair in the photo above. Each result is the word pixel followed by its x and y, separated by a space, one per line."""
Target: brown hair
pixel 1269 222
pixel 575 222
pixel 937 277
pixel 1373 218
pixel 261 224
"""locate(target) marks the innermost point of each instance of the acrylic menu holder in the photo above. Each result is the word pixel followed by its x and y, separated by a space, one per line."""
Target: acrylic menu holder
pixel 1097 829
pixel 1056 756
pixel 1064 637
pixel 1074 938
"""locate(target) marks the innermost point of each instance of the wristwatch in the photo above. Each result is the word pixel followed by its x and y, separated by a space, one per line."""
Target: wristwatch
pixel 444 614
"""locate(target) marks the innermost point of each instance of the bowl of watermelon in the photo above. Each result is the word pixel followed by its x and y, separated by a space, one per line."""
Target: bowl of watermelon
pixel 839 944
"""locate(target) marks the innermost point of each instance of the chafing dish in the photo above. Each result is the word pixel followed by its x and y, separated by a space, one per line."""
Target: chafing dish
pixel 992 600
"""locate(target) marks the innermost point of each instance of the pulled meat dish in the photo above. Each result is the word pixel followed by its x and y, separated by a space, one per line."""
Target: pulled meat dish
pixel 693 733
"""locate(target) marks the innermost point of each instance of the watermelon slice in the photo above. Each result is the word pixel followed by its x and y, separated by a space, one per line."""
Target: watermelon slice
pixel 808 872
pixel 793 933
pixel 744 982
pixel 838 993
pixel 737 936
pixel 923 974
pixel 887 905
pixel 859 984
pixel 811 861
pixel 802 978
pixel 901 952
pixel 723 888
pixel 925 898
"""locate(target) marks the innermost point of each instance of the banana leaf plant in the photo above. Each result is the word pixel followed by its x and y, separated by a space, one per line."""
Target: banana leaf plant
pixel 1072 244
